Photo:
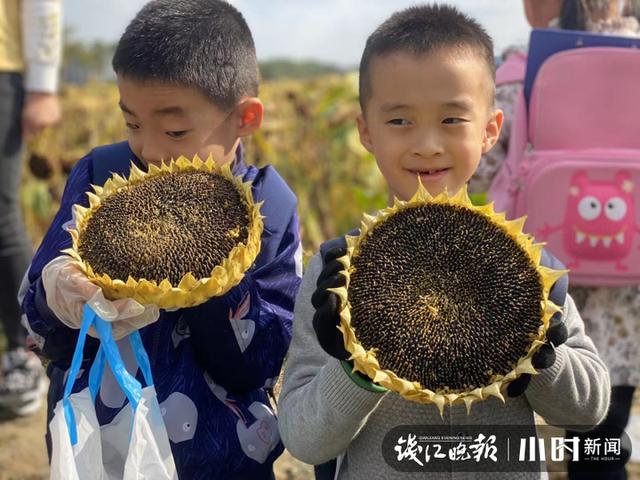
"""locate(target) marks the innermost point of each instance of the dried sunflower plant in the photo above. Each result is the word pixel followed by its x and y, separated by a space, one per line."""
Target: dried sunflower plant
pixel 445 302
pixel 174 236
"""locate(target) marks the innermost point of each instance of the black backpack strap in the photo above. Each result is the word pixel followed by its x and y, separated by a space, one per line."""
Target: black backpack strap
pixel 329 244
pixel 558 293
pixel 108 159
pixel 336 242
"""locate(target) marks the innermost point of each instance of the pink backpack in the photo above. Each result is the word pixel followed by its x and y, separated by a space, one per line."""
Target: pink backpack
pixel 573 165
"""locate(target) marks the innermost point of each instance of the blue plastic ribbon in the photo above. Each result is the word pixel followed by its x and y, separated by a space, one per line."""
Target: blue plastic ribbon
pixel 129 385
pixel 141 356
pixel 95 374
pixel 88 317
pixel 107 353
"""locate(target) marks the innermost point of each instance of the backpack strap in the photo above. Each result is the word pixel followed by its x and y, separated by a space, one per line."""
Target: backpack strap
pixel 558 293
pixel 336 242
pixel 108 159
pixel 504 186
pixel 279 206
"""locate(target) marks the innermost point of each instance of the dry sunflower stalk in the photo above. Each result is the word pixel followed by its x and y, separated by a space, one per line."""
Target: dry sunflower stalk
pixel 175 236
pixel 444 302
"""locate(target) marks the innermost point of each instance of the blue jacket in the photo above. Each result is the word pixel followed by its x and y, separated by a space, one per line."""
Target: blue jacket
pixel 211 363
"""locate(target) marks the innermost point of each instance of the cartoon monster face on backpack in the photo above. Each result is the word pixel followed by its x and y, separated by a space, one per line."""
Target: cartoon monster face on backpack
pixel 600 219
pixel 573 163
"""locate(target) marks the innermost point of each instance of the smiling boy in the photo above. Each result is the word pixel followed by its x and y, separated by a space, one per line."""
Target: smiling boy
pixel 429 114
pixel 426 93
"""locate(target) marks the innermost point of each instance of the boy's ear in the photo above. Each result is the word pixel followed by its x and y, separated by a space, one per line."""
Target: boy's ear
pixel 363 130
pixel 248 115
pixel 492 130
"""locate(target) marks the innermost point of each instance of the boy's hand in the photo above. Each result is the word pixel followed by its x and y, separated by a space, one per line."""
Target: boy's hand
pixel 68 289
pixel 545 357
pixel 327 317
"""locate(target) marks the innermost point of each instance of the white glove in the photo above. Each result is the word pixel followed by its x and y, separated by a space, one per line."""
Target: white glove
pixel 68 289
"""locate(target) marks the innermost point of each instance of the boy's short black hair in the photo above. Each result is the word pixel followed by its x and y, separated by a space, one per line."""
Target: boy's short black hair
pixel 204 44
pixel 422 29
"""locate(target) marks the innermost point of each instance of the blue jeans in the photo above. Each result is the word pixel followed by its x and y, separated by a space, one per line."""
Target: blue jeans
pixel 15 248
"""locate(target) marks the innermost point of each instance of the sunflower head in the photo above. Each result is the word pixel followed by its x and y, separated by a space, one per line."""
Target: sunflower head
pixel 175 236
pixel 445 302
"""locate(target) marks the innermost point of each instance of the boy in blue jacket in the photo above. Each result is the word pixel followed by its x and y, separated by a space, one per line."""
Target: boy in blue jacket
pixel 188 81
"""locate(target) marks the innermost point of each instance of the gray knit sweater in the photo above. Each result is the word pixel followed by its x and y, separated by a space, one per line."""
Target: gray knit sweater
pixel 324 414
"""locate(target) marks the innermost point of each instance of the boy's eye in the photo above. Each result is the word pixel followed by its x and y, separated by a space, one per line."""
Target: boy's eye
pixel 132 126
pixel 453 120
pixel 177 133
pixel 399 121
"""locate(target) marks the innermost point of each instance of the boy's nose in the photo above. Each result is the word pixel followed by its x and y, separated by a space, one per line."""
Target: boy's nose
pixel 427 144
pixel 151 154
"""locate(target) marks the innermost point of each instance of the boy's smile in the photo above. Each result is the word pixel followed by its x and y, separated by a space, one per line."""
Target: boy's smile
pixel 429 116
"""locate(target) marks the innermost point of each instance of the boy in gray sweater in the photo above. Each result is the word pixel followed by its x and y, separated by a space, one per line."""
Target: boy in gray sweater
pixel 426 93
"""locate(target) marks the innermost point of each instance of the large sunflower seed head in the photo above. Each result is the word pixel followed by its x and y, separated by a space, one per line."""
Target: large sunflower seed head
pixel 447 299
pixel 174 236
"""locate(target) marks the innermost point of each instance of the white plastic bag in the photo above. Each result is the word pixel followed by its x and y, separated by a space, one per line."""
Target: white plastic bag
pixel 139 449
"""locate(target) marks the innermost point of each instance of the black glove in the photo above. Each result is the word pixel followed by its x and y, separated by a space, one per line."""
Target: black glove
pixel 545 357
pixel 327 317
pixel 327 305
